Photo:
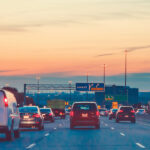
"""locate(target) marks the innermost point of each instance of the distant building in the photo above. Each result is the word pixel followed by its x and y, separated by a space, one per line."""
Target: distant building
pixel 117 93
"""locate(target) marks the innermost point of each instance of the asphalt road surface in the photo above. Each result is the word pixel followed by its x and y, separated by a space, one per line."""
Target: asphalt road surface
pixel 58 136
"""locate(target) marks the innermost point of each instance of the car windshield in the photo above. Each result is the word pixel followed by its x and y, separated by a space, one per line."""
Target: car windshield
pixel 45 110
pixel 28 110
pixel 126 109
pixel 84 107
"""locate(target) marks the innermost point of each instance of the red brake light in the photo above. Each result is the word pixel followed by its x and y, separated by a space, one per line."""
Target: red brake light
pixel 97 113
pixel 61 113
pixel 120 111
pixel 50 114
pixel 132 111
pixel 36 115
pixel 71 114
pixel 6 102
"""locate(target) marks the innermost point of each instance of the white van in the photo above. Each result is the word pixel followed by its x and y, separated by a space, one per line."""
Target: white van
pixel 9 115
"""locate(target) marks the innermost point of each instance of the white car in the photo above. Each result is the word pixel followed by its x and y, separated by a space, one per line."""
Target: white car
pixel 140 111
pixel 9 115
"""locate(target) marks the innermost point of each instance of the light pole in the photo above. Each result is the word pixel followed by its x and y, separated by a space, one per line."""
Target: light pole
pixel 38 82
pixel 70 82
pixel 126 94
pixel 87 80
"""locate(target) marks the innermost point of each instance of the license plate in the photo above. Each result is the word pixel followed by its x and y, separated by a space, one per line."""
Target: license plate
pixel 84 115
pixel 126 116
pixel 26 117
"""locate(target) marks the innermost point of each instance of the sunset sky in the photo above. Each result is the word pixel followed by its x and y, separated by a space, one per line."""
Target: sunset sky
pixel 73 37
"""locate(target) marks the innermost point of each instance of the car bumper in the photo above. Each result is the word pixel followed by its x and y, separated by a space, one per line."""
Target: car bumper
pixel 28 124
pixel 85 122
pixel 3 129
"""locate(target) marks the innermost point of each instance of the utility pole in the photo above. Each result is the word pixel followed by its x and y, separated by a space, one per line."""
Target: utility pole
pixel 126 74
pixel 87 79
pixel 104 82
pixel 38 88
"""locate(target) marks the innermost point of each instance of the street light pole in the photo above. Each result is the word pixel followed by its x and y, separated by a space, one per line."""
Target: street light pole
pixel 126 75
pixel 87 79
pixel 104 82
pixel 38 82
pixel 70 82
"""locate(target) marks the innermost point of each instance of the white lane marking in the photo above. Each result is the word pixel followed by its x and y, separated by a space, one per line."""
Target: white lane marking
pixel 140 145
pixel 146 125
pixel 60 125
pixel 30 146
pixel 47 134
pixel 54 128
pixel 122 134
pixel 106 125
pixel 112 128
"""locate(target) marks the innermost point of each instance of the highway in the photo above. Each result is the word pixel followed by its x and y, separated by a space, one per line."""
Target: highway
pixel 58 136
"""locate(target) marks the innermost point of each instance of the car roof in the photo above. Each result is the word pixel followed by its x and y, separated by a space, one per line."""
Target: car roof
pixel 84 102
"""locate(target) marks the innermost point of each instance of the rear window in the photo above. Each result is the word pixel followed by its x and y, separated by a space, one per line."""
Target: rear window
pixel 126 109
pixel 84 107
pixel 141 110
pixel 45 110
pixel 103 110
pixel 114 110
pixel 28 110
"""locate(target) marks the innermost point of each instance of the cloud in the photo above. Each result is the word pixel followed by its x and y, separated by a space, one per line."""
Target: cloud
pixel 131 49
pixel 26 27
pixel 4 71
pixel 106 54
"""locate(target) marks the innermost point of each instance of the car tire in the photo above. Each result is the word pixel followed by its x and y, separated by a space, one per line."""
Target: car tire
pixel 40 127
pixel 10 134
pixel 71 126
pixel 117 120
pixel 17 133
pixel 110 118
pixel 133 121
pixel 97 126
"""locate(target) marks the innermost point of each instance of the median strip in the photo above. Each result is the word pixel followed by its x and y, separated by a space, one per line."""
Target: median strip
pixel 140 145
pixel 30 146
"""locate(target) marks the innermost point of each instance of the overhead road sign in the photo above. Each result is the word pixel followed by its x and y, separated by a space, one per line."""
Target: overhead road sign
pixel 98 87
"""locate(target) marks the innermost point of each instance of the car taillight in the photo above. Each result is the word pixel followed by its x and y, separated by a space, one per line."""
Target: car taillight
pixel 61 113
pixel 120 111
pixel 36 115
pixel 71 114
pixel 97 113
pixel 50 114
pixel 132 111
pixel 6 102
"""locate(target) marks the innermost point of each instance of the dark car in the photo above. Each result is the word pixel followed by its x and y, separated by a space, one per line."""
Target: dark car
pixel 84 114
pixel 30 116
pixel 125 113
pixel 112 114
pixel 59 113
pixel 47 114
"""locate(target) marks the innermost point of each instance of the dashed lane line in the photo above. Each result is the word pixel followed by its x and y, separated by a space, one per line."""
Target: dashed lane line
pixel 47 134
pixel 140 145
pixel 122 134
pixel 112 128
pixel 55 128
pixel 30 146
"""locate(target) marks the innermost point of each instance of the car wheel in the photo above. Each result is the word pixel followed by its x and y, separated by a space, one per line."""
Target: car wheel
pixel 133 121
pixel 17 133
pixel 71 126
pixel 97 126
pixel 117 120
pixel 10 134
pixel 110 118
